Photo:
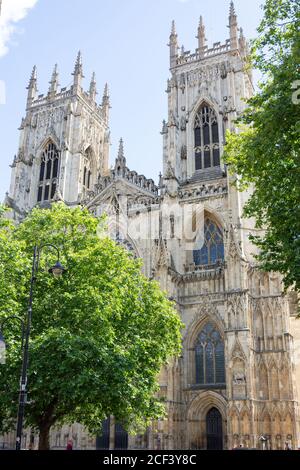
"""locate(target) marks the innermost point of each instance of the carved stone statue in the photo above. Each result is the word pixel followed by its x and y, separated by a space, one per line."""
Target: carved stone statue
pixel 239 378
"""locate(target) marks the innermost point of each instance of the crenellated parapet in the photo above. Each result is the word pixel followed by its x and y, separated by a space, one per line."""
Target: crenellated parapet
pixel 57 95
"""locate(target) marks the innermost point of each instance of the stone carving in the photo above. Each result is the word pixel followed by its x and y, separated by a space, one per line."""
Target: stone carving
pixel 239 378
pixel 183 122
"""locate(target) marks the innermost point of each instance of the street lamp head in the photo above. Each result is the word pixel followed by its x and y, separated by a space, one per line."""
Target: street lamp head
pixel 57 270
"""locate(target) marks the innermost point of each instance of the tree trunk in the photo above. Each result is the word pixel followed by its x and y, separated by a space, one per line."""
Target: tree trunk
pixel 44 437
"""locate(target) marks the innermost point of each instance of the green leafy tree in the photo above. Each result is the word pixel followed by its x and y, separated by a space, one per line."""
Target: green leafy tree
pixel 266 151
pixel 100 334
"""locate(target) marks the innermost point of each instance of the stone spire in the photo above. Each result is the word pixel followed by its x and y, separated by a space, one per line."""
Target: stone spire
pixel 121 160
pixel 54 82
pixel 233 26
pixel 32 87
pixel 243 43
pixel 93 87
pixel 201 37
pixel 173 44
pixel 78 73
pixel 105 102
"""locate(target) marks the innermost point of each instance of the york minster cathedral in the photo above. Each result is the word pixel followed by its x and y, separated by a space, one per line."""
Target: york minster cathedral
pixel 238 379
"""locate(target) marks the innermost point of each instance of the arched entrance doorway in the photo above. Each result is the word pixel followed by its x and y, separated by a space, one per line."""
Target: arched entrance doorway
pixel 214 430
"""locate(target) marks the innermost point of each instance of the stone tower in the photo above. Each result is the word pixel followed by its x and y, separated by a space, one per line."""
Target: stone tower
pixel 64 143
pixel 235 383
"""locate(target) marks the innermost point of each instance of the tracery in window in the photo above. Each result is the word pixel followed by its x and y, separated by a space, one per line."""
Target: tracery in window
pixel 206 138
pixel 49 171
pixel 209 356
pixel 87 170
pixel 212 250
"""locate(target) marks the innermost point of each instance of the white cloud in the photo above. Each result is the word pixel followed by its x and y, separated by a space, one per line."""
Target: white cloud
pixel 12 11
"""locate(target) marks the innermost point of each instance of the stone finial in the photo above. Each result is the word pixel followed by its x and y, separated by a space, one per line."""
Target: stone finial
pixel 78 64
pixel 173 29
pixel 32 86
pixel 105 103
pixel 78 71
pixel 201 36
pixel 93 87
pixel 33 77
pixel 173 44
pixel 121 160
pixel 233 26
pixel 105 97
pixel 121 149
pixel 232 9
pixel 54 81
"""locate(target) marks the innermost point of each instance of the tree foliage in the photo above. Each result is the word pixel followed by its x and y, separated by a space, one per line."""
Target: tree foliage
pixel 100 334
pixel 266 151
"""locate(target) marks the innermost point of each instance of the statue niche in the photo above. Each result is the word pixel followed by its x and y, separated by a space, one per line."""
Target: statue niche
pixel 239 389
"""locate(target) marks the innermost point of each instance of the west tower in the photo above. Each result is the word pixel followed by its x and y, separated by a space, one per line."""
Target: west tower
pixel 63 145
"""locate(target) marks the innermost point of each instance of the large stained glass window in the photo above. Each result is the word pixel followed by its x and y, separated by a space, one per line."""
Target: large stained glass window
pixel 209 357
pixel 49 170
pixel 212 250
pixel 206 139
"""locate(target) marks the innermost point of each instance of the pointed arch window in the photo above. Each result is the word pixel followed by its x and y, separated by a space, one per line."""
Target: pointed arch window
pixel 212 250
pixel 209 357
pixel 206 138
pixel 49 172
pixel 87 169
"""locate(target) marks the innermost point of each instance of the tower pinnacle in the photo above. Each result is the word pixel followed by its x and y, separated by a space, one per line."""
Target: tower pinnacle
pixel 105 103
pixel 54 81
pixel 232 9
pixel 32 86
pixel 93 87
pixel 201 36
pixel 121 160
pixel 78 72
pixel 173 44
pixel 233 26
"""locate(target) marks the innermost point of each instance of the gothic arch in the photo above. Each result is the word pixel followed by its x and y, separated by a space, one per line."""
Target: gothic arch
pixel 203 402
pixel 245 421
pixel 47 171
pixel 258 323
pixel 129 245
pixel 208 211
pixel 274 381
pixel 234 422
pixel 50 139
pixel 89 166
pixel 196 436
pixel 266 424
pixel 214 105
pixel 203 100
pixel 284 380
pixel 277 430
pixel 206 312
pixel 262 382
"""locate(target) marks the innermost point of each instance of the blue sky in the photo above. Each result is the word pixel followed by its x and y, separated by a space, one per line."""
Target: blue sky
pixel 124 42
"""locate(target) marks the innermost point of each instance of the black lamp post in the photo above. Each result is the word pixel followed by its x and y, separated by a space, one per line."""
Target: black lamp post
pixel 57 270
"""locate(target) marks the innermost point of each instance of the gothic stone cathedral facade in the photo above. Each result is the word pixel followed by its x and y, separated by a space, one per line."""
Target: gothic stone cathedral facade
pixel 236 382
